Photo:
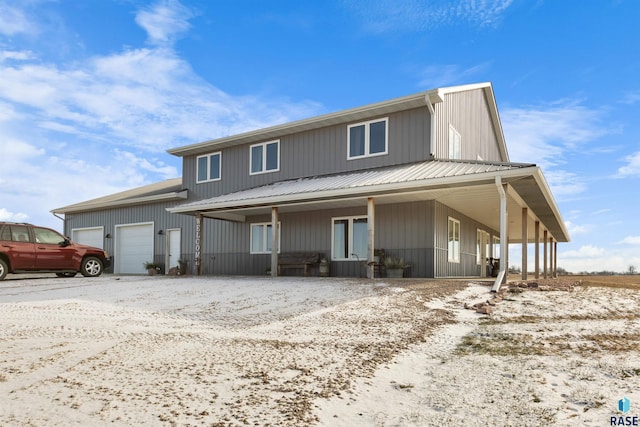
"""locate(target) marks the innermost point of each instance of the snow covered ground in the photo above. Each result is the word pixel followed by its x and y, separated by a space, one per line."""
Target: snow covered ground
pixel 308 351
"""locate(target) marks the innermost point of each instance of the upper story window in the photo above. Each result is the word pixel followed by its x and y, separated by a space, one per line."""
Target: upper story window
pixel 367 138
pixel 209 167
pixel 454 143
pixel 265 157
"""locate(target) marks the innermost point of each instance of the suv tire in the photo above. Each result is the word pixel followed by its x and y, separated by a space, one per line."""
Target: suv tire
pixel 4 269
pixel 91 267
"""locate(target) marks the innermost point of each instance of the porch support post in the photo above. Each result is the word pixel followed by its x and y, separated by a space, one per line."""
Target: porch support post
pixel 544 257
pixel 555 259
pixel 198 244
pixel 525 241
pixel 502 192
pixel 371 227
pixel 275 241
pixel 537 249
pixel 551 257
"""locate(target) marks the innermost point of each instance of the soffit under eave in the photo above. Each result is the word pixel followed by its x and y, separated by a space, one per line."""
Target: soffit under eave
pixel 547 213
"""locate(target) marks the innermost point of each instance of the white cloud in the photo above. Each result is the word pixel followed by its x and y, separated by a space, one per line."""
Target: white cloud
pixel 575 229
pixel 587 251
pixel 93 126
pixel 630 240
pixel 382 16
pixel 164 21
pixel 632 168
pixel 543 133
pixel 5 215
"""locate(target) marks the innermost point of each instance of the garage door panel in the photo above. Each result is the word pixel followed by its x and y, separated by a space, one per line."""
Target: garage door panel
pixel 89 236
pixel 134 247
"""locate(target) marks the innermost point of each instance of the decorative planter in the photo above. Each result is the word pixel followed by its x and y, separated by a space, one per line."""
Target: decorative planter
pixel 323 268
pixel 395 273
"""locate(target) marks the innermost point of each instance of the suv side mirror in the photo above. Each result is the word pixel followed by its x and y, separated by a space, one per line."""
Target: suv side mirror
pixel 66 242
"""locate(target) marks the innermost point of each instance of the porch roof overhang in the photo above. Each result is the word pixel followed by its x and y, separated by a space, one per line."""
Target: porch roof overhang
pixel 469 187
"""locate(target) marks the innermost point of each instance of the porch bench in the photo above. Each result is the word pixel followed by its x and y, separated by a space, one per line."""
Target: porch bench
pixel 302 260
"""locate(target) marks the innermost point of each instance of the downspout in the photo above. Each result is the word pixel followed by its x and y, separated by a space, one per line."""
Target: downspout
pixel 432 114
pixel 503 234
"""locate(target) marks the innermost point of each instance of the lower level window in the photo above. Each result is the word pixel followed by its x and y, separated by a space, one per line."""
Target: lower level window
pixel 453 246
pixel 262 238
pixel 349 238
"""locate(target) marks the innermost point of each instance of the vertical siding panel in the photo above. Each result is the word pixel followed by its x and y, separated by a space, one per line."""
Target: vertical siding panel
pixel 315 152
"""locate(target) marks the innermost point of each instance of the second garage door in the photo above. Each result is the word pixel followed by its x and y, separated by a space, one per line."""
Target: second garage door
pixel 134 247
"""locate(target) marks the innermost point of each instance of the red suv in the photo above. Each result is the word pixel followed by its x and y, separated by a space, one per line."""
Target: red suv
pixel 26 248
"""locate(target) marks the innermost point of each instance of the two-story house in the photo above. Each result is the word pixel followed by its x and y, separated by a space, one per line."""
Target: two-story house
pixel 425 177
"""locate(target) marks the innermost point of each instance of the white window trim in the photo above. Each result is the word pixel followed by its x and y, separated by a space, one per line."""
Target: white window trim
pixel 264 157
pixel 479 239
pixel 264 237
pixel 495 247
pixel 208 157
pixel 349 237
pixel 458 138
pixel 367 141
pixel 453 257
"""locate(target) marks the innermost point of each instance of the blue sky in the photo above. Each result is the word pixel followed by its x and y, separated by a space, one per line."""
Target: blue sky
pixel 93 92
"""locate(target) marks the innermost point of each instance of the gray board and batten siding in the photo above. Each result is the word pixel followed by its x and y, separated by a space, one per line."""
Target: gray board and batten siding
pixel 110 218
pixel 313 153
pixel 468 112
pixel 403 230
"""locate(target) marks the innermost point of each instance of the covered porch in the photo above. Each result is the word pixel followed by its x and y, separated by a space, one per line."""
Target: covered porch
pixel 513 200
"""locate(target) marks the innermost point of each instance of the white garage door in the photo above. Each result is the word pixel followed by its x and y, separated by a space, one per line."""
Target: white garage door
pixel 134 247
pixel 89 236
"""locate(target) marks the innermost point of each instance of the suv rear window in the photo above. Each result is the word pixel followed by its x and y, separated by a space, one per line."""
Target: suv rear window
pixel 5 233
pixel 20 233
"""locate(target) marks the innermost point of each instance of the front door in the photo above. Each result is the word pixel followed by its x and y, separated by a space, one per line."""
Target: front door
pixel 173 253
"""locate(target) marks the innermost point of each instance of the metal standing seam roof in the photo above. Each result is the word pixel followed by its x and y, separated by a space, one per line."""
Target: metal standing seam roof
pixel 431 169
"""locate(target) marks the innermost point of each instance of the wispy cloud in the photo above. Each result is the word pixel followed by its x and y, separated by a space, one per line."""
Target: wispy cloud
pixel 632 167
pixel 103 122
pixel 434 76
pixel 630 240
pixel 381 16
pixel 165 21
pixel 545 134
pixel 14 21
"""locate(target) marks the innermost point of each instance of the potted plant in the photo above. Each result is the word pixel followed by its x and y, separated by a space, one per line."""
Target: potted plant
pixel 395 267
pixel 152 268
pixel 182 267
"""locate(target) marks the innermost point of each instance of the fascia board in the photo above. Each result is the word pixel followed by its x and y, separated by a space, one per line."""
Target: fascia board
pixel 426 184
pixel 546 191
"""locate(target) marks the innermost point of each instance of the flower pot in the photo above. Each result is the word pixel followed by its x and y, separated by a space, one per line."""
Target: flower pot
pixel 395 273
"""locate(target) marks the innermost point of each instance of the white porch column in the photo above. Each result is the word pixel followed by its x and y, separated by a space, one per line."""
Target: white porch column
pixel 275 241
pixel 504 245
pixel 544 256
pixel 555 259
pixel 537 250
pixel 371 228
pixel 551 257
pixel 525 241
